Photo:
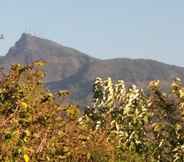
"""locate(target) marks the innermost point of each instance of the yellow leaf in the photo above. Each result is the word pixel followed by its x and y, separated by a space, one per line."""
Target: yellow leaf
pixel 88 156
pixel 39 63
pixel 23 105
pixel 63 93
pixel 26 158
pixel 181 92
pixel 73 111
pixel 155 84
pixel 50 94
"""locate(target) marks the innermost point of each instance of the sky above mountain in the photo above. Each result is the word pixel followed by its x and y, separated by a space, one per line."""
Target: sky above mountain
pixel 102 28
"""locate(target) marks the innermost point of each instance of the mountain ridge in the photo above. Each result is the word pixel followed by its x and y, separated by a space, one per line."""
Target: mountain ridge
pixel 71 69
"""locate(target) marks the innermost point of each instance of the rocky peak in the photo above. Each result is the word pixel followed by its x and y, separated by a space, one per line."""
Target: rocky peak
pixel 29 42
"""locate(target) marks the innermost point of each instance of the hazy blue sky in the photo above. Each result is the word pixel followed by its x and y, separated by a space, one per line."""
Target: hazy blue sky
pixel 102 28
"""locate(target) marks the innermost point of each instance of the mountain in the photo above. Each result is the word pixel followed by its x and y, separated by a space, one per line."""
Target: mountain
pixel 71 69
pixel 63 62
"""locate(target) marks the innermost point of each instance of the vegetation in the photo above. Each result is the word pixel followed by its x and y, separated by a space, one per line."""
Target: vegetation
pixel 122 124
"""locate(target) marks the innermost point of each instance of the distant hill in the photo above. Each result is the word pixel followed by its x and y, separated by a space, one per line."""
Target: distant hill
pixel 71 69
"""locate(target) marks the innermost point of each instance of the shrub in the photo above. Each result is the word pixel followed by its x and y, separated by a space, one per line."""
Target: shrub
pixel 122 124
pixel 141 127
pixel 35 127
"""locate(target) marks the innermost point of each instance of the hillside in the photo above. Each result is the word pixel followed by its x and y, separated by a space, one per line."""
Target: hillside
pixel 71 69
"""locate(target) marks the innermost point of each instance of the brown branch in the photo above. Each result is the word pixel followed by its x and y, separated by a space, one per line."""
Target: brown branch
pixel 42 143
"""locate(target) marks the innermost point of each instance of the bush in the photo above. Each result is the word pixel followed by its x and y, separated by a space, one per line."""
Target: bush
pixel 122 124
pixel 141 127
pixel 35 127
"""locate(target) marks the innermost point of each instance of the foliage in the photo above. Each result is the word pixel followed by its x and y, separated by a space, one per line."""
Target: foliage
pixel 122 124
pixel 35 127
pixel 142 127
